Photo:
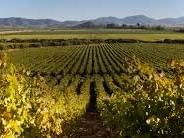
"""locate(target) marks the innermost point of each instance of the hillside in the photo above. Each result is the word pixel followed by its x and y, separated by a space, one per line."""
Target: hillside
pixel 103 21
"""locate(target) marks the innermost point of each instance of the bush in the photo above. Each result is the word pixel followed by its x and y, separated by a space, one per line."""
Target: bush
pixel 29 108
pixel 2 47
pixel 152 104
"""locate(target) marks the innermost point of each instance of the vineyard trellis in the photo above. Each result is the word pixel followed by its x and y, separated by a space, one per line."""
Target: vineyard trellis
pixel 104 62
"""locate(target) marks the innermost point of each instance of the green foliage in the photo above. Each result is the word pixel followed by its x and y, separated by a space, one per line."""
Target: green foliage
pixel 143 101
pixel 94 59
pixel 14 103
pixel 28 107
pixel 151 105
pixel 139 34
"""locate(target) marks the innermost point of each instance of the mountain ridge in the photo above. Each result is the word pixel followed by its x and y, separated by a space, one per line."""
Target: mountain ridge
pixel 102 21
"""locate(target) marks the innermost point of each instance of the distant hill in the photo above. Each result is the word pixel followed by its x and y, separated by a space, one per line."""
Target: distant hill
pixel 127 20
pixel 139 19
pixel 106 20
pixel 88 24
pixel 71 23
pixel 22 22
pixel 103 21
pixel 172 21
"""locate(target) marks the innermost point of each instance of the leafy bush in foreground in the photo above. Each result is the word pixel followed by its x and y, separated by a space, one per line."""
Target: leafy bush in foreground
pixel 152 104
pixel 29 108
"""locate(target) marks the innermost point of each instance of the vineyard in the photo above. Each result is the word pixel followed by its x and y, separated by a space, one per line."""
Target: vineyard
pixel 104 65
pixel 111 79
pixel 94 59
pixel 86 69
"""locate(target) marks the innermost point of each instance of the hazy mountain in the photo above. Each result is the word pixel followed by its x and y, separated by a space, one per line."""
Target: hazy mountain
pixel 71 23
pixel 139 19
pixel 22 22
pixel 127 20
pixel 172 21
pixel 107 20
pixel 88 24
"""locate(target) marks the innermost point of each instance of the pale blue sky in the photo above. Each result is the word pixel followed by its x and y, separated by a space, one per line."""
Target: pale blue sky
pixel 89 9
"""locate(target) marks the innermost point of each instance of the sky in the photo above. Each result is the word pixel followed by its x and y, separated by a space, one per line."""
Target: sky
pixel 89 9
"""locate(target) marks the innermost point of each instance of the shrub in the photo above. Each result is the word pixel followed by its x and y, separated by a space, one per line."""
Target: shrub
pixel 29 108
pixel 3 47
pixel 152 104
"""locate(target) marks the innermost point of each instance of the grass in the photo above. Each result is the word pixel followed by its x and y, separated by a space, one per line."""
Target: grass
pixel 149 35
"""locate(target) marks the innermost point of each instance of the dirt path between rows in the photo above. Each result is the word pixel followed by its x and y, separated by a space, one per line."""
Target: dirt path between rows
pixel 90 126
